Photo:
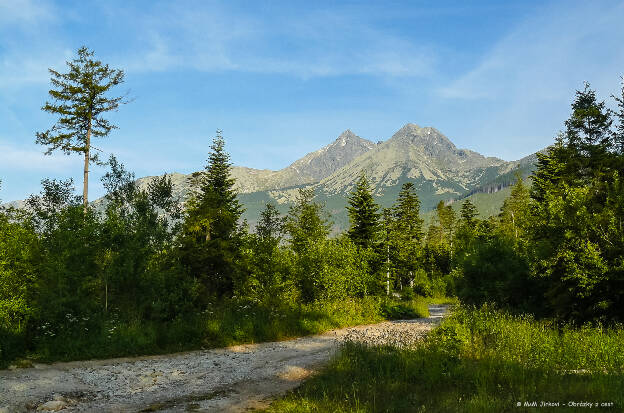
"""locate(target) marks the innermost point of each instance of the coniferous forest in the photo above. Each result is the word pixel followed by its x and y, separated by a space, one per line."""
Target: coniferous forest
pixel 143 273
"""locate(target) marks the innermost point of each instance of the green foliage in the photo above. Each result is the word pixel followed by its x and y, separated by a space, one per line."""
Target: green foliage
pixel 80 98
pixel 136 261
pixel 363 214
pixel 18 244
pixel 576 234
pixel 619 132
pixel 468 213
pixel 493 271
pixel 210 242
pixel 408 308
pixel 476 361
pixel 407 235
pixel 269 269
pixel 270 228
pixel 515 217
pixel 307 222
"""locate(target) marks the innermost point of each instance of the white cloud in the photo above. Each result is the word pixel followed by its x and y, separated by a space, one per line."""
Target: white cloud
pixel 14 158
pixel 517 96
pixel 30 43
pixel 24 12
pixel 547 55
pixel 318 43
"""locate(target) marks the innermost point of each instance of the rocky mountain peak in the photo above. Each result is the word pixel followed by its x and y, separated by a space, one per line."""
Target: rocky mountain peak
pixel 348 137
pixel 409 128
pixel 319 164
pixel 427 138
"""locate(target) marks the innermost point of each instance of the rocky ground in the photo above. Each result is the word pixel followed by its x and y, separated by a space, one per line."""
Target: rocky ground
pixel 237 378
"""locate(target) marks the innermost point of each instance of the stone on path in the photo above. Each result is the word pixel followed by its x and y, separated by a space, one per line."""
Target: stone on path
pixel 52 406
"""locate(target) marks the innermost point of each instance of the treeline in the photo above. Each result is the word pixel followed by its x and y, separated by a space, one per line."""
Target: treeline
pixel 557 248
pixel 67 272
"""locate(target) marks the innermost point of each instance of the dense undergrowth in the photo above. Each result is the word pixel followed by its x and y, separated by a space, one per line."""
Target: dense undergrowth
pixel 478 360
pixel 228 323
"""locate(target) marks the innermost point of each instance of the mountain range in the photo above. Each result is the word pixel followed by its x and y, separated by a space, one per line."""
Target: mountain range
pixel 424 156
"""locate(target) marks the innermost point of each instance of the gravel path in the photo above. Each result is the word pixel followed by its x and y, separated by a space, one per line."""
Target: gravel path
pixel 236 378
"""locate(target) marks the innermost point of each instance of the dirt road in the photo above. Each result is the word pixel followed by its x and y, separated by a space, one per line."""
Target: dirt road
pixel 237 378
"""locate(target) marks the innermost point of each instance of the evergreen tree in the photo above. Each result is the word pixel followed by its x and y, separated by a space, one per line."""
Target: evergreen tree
pixel 308 228
pixel 408 233
pixel 468 214
pixel 407 214
pixel 446 219
pixel 80 98
pixel 271 225
pixel 363 214
pixel 467 228
pixel 574 228
pixel 210 242
pixel 268 265
pixel 515 211
pixel 588 136
pixel 549 171
pixel 306 222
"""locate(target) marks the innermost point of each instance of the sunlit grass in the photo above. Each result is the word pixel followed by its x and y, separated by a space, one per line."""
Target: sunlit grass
pixel 476 361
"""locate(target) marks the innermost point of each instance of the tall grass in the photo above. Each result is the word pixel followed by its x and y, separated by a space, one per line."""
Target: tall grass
pixel 475 361
pixel 227 323
pixel 541 344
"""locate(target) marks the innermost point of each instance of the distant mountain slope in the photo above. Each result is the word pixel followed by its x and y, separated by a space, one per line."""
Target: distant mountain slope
pixel 424 156
pixel 420 154
pixel 308 170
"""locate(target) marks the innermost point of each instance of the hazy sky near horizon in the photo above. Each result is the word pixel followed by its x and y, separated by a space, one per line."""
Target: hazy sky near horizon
pixel 282 79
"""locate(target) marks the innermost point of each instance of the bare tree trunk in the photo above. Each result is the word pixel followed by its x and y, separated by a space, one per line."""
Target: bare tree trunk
pixel 388 272
pixel 85 189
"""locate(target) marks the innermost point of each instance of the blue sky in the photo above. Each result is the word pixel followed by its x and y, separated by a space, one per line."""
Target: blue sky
pixel 285 78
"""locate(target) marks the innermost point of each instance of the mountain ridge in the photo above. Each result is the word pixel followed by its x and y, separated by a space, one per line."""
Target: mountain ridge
pixel 421 155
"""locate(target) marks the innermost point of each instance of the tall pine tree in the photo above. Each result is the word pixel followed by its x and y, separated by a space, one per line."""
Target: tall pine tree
pixel 363 214
pixel 80 98
pixel 306 222
pixel 407 234
pixel 576 240
pixel 210 240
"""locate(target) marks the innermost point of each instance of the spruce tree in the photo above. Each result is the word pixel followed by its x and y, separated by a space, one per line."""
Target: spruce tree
pixel 588 136
pixel 573 230
pixel 306 222
pixel 210 242
pixel 80 99
pixel 468 213
pixel 363 214
pixel 408 233
pixel 407 214
pixel 389 245
pixel 270 226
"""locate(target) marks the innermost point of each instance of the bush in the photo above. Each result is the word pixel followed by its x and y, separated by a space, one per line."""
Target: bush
pixel 495 272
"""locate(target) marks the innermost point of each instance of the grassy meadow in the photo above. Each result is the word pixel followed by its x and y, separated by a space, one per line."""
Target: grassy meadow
pixel 477 360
